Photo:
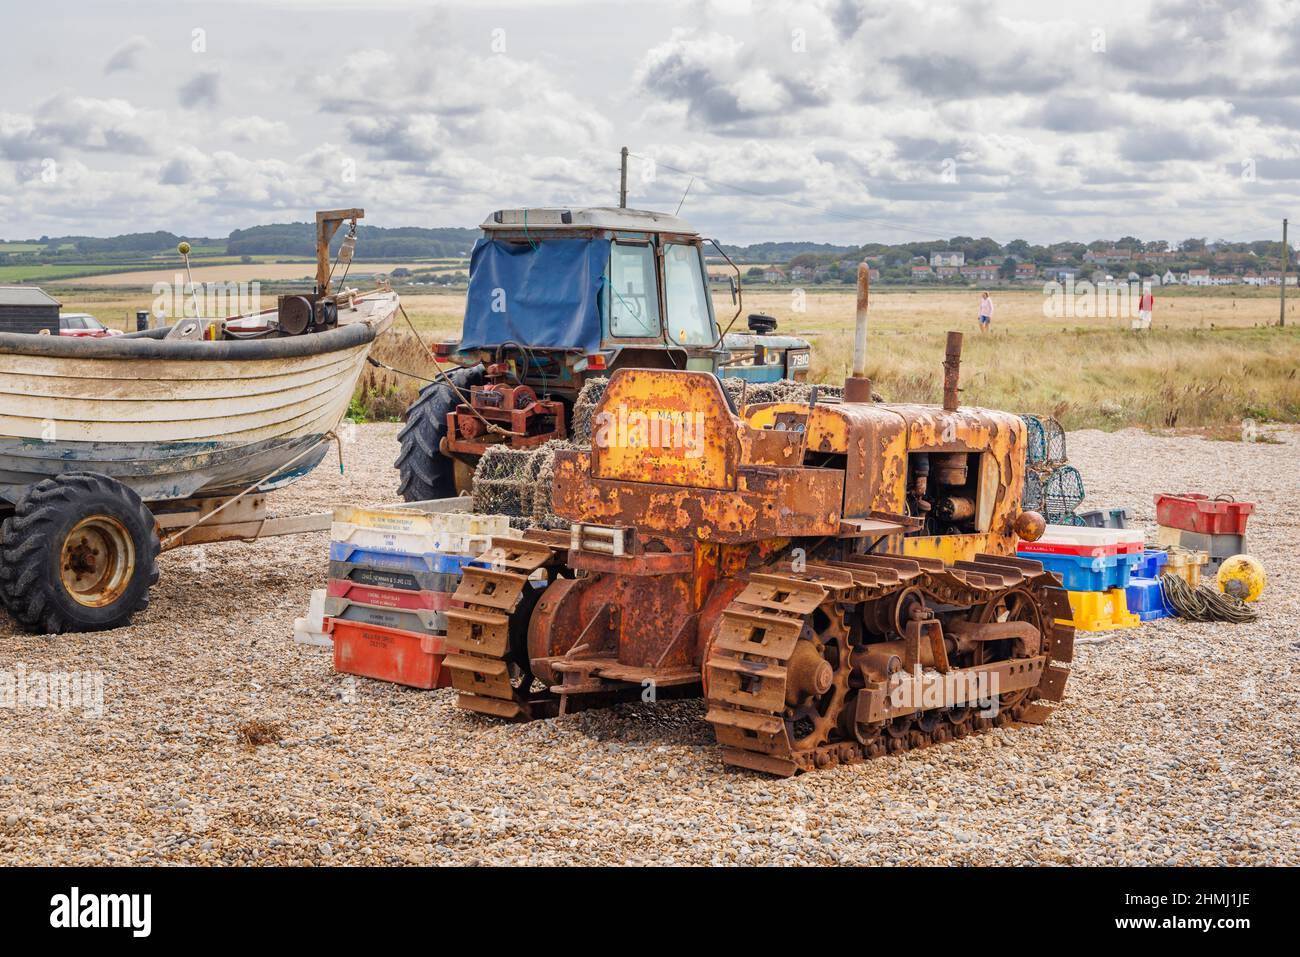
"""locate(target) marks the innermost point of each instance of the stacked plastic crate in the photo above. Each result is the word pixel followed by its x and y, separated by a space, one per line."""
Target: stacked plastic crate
pixel 1095 565
pixel 1213 528
pixel 391 576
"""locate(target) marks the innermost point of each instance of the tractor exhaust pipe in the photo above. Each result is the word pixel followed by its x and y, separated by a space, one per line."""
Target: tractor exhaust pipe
pixel 857 388
pixel 952 372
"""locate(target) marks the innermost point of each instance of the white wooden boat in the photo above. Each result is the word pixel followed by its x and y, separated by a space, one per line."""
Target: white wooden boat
pixel 177 419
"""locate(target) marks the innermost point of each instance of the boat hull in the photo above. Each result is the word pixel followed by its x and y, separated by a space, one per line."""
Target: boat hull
pixel 176 420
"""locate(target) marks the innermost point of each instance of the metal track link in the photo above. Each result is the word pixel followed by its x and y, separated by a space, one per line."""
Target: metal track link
pixel 748 662
pixel 483 669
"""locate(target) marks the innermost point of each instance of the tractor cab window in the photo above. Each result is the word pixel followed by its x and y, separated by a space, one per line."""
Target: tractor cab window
pixel 632 299
pixel 690 320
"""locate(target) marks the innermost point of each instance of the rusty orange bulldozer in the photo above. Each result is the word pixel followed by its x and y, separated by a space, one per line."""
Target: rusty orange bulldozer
pixel 837 579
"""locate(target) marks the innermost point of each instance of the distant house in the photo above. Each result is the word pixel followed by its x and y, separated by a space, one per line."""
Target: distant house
pixel 1062 273
pixel 921 272
pixel 1272 277
pixel 947 272
pixel 800 274
pixel 1224 279
pixel 980 273
pixel 1108 256
pixel 1198 277
pixel 1026 270
pixel 1169 279
pixel 774 274
pixel 948 257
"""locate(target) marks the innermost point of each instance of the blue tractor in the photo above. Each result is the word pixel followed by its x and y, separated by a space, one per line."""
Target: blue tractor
pixel 561 296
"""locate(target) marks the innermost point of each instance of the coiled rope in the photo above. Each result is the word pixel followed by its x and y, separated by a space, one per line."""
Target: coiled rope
pixel 1205 603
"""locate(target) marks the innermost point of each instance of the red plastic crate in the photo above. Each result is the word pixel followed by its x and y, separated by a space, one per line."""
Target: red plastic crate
pixel 389 597
pixel 386 654
pixel 1200 513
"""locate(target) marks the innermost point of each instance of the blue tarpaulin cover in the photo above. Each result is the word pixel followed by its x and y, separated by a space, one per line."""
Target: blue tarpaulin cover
pixel 545 295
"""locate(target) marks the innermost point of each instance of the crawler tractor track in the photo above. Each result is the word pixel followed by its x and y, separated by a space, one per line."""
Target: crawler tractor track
pixel 486 639
pixel 787 662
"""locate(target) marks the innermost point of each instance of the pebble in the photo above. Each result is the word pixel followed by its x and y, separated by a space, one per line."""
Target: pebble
pixel 1176 742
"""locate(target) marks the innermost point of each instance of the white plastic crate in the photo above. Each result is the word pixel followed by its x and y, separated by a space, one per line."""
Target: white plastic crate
pixel 415 532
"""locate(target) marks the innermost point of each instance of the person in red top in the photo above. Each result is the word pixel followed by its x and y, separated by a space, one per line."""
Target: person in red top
pixel 1146 304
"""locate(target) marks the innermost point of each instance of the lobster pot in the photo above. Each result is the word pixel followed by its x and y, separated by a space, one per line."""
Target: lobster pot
pixel 1032 498
pixel 1054 441
pixel 1035 441
pixel 518 483
pixel 1062 494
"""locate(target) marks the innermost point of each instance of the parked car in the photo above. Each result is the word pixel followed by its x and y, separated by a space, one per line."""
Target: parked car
pixel 85 326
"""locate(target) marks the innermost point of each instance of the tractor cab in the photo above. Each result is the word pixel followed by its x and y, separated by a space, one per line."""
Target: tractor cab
pixel 559 296
pixel 556 295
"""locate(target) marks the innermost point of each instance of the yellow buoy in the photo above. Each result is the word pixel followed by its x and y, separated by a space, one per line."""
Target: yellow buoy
pixel 1241 577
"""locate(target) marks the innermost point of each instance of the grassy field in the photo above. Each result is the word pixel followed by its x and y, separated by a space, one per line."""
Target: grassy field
pixel 1211 360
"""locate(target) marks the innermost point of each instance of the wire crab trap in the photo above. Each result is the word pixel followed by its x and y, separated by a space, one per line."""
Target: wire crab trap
pixel 1035 441
pixel 1044 440
pixel 1054 441
pixel 1062 494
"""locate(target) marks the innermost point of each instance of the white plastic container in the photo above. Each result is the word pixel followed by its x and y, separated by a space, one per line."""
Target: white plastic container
pixel 310 630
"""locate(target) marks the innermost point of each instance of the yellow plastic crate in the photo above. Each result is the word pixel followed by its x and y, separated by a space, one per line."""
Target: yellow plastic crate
pixel 1186 565
pixel 1100 611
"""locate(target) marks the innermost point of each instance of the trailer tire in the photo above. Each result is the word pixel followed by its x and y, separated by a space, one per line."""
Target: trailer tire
pixel 79 553
pixel 426 472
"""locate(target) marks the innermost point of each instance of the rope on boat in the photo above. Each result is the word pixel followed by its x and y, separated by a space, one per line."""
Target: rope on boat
pixel 490 426
pixel 174 538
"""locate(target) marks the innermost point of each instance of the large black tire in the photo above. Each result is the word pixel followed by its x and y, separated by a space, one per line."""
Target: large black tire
pixel 426 472
pixel 80 553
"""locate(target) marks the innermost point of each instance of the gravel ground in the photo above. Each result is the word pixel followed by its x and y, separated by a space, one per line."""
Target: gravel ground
pixel 1176 744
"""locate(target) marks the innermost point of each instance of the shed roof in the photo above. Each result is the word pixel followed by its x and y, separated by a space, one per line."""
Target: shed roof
pixel 26 296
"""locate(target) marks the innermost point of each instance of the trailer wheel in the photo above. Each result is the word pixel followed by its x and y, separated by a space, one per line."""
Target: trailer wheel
pixel 426 472
pixel 79 553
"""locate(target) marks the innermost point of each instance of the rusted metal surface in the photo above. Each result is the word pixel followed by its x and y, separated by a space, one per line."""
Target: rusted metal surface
pixel 952 373
pixel 767 502
pixel 665 428
pixel 780 570
pixel 499 413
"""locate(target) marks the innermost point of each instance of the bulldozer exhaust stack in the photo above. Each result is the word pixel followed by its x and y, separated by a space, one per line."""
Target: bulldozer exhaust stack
pixel 857 388
pixel 952 372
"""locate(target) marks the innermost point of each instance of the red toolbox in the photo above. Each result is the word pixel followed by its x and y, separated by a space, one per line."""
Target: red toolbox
pixel 389 597
pixel 387 654
pixel 1200 513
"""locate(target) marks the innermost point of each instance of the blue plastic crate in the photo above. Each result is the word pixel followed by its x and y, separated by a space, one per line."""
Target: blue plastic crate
pixel 1086 573
pixel 437 562
pixel 1153 559
pixel 1146 598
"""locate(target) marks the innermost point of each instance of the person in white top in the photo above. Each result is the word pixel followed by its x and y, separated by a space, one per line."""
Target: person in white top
pixel 986 313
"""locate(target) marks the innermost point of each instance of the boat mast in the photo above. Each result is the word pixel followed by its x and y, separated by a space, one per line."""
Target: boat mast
pixel 328 222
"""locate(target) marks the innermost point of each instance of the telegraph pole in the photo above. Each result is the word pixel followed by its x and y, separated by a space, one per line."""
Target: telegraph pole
pixel 622 181
pixel 1286 254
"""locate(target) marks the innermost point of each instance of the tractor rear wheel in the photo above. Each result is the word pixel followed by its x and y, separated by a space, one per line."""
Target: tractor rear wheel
pixel 79 553
pixel 426 472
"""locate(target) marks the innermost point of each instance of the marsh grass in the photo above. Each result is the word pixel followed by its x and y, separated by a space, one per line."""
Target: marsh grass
pixel 1212 359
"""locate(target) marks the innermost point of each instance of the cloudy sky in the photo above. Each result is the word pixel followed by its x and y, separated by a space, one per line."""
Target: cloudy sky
pixel 853 120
